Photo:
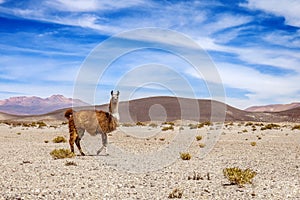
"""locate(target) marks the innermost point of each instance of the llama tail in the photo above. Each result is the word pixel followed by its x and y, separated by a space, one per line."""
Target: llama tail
pixel 68 113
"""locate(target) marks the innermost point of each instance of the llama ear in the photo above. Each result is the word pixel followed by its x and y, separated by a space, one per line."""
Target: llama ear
pixel 111 92
pixel 118 92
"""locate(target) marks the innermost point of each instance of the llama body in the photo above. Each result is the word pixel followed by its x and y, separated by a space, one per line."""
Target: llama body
pixel 94 122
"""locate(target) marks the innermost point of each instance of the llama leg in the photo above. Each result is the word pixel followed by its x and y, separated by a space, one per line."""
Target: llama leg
pixel 104 144
pixel 72 139
pixel 77 141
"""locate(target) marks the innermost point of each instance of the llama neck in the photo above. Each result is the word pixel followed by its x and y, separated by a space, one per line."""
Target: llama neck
pixel 113 109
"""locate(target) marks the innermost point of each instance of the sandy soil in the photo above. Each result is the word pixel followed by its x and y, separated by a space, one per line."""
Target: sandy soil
pixel 29 172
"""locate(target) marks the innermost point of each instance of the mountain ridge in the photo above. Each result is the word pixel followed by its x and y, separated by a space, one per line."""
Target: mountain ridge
pixel 34 105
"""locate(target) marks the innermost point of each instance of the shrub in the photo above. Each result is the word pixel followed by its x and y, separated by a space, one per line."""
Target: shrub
pixel 239 177
pixel 201 145
pixel 198 137
pixel 168 128
pixel 153 125
pixel 140 124
pixel 41 124
pixel 270 126
pixel 46 141
pixel 64 123
pixel 169 123
pixel 296 127
pixel 162 139
pixel 185 156
pixel 193 126
pixel 207 123
pixel 253 143
pixel 18 133
pixel 195 177
pixel 59 139
pixel 127 125
pixel 245 131
pixel 176 193
pixel 70 163
pixel 249 124
pixel 61 153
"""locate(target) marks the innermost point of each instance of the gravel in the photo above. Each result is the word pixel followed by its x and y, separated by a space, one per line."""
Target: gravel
pixel 29 172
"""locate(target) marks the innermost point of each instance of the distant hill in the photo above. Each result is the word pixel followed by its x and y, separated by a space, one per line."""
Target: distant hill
pixel 172 108
pixel 36 105
pixel 273 108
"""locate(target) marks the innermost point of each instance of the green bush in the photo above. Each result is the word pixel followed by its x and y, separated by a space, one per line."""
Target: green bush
pixel 239 177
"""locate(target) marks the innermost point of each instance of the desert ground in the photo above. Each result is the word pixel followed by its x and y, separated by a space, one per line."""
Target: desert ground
pixel 28 171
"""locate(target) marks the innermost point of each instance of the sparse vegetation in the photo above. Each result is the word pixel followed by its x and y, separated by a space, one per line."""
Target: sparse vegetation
pixel 239 177
pixel 169 123
pixel 249 124
pixel 140 124
pixel 200 125
pixel 253 143
pixel 61 153
pixel 18 133
pixel 166 128
pixel 153 125
pixel 245 131
pixel 201 145
pixel 70 163
pixel 185 156
pixel 59 139
pixel 127 125
pixel 270 126
pixel 198 137
pixel 41 124
pixel 176 193
pixel 195 177
pixel 296 127
pixel 162 139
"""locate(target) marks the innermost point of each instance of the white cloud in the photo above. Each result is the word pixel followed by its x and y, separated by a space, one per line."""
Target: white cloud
pixel 289 9
pixel 92 5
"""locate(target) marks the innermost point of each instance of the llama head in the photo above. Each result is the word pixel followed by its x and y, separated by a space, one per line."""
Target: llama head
pixel 115 96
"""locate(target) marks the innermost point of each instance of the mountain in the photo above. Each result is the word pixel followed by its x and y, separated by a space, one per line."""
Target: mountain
pixel 172 108
pixel 35 105
pixel 273 108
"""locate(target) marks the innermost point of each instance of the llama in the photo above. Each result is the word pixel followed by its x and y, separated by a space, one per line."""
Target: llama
pixel 94 122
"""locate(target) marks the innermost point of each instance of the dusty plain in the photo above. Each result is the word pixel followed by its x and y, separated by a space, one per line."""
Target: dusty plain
pixel 29 172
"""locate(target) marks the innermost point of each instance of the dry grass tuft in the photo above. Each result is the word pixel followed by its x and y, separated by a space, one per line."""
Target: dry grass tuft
pixel 70 163
pixel 253 144
pixel 239 177
pixel 140 124
pixel 176 193
pixel 59 139
pixel 296 127
pixel 166 128
pixel 61 153
pixel 198 137
pixel 185 156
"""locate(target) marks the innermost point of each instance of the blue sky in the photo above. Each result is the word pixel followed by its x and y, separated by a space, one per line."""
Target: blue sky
pixel 254 45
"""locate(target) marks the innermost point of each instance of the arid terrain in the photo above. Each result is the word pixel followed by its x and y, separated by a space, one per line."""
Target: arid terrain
pixel 28 171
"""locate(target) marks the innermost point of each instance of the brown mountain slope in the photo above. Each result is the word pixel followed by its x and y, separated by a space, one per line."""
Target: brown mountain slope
pixel 273 108
pixel 171 108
